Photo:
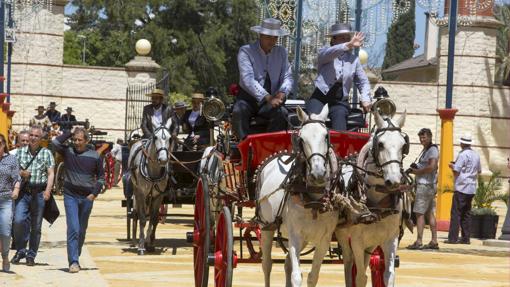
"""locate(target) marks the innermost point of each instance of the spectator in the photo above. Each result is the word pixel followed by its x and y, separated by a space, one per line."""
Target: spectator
pixel 465 170
pixel 426 180
pixel 52 113
pixel 68 117
pixel 83 181
pixel 22 141
pixel 37 170
pixel 117 156
pixel 40 119
pixel 9 191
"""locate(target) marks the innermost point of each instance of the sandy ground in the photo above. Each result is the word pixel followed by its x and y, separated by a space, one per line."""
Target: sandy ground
pixel 109 260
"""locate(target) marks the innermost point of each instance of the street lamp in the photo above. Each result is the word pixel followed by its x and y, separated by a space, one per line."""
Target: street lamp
pixel 84 40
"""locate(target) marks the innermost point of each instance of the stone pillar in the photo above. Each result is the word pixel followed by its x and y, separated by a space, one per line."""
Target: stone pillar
pixel 142 70
pixel 37 59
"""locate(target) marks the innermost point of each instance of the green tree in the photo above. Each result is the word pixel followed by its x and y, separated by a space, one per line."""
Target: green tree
pixel 72 48
pixel 400 40
pixel 195 40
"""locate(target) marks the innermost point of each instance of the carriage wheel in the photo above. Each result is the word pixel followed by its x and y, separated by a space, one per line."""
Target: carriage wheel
pixel 59 179
pixel 224 259
pixel 201 233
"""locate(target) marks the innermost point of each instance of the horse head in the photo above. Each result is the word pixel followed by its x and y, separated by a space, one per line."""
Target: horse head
pixel 313 142
pixel 389 146
pixel 161 141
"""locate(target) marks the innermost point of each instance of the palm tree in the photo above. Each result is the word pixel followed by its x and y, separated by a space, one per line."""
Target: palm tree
pixel 502 13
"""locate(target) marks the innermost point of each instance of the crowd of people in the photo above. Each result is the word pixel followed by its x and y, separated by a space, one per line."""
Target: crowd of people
pixel 26 181
pixel 51 121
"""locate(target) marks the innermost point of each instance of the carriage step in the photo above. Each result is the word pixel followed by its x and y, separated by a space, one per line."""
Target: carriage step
pixel 124 203
pixel 189 237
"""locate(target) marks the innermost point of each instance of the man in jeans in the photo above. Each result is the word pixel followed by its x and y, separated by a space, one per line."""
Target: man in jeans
pixel 83 181
pixel 465 170
pixel 426 180
pixel 37 170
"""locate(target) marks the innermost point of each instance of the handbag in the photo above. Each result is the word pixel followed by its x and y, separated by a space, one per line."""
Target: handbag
pixel 24 182
pixel 51 211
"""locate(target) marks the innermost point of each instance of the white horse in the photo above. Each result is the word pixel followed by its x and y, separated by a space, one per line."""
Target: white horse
pixel 382 158
pixel 148 161
pixel 299 224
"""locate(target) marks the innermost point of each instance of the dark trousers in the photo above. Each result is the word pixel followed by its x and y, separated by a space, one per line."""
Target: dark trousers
pixel 338 109
pixel 246 107
pixel 460 217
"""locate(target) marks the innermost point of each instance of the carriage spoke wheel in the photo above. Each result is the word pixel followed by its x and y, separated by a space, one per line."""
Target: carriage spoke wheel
pixel 201 233
pixel 224 259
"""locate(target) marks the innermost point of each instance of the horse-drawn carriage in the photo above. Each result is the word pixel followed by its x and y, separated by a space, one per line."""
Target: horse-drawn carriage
pixel 258 173
pixel 259 169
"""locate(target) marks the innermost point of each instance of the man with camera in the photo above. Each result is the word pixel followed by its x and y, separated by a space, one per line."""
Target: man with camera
pixel 426 179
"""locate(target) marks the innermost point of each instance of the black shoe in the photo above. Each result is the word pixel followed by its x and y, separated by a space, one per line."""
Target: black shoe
pixel 448 241
pixel 17 257
pixel 462 241
pixel 30 261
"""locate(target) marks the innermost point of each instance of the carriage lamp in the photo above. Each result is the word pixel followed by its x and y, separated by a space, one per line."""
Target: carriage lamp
pixel 363 56
pixel 143 47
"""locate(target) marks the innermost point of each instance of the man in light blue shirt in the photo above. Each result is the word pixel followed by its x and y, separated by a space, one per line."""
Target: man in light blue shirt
pixel 338 68
pixel 466 169
pixel 265 80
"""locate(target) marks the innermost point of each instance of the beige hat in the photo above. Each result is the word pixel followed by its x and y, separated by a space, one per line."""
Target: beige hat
pixel 156 92
pixel 197 96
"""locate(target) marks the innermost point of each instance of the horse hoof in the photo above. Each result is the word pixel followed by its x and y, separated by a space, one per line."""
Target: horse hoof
pixel 141 252
pixel 150 248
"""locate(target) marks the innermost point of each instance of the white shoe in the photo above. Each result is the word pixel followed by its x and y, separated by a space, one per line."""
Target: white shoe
pixel 74 268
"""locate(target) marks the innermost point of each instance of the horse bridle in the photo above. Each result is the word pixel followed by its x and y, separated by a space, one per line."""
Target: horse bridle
pixel 297 144
pixel 165 149
pixel 375 145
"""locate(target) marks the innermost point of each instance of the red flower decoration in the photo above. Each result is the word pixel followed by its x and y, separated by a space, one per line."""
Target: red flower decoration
pixel 233 89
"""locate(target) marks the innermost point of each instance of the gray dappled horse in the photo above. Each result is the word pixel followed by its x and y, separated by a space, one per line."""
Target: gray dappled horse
pixel 148 162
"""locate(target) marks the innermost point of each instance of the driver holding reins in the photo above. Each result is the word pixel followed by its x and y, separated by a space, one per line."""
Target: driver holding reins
pixel 156 112
pixel 339 68
pixel 265 80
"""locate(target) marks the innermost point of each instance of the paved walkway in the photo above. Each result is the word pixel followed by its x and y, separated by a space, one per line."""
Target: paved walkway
pixel 109 260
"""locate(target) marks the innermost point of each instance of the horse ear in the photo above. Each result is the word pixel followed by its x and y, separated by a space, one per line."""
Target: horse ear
pixel 378 120
pixel 324 113
pixel 168 123
pixel 402 119
pixel 302 116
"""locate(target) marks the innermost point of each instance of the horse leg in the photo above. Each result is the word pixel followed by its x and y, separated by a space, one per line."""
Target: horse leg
pixel 358 253
pixel 288 271
pixel 320 252
pixel 390 249
pixel 141 241
pixel 295 246
pixel 151 231
pixel 266 242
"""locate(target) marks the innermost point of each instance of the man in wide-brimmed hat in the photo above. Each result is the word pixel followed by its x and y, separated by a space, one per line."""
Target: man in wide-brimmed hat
pixel 156 113
pixel 338 69
pixel 40 119
pixel 195 124
pixel 68 117
pixel 265 80
pixel 466 169
pixel 52 113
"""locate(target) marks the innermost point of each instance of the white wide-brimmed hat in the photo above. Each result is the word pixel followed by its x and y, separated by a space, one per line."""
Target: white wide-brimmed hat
pixel 270 27
pixel 339 28
pixel 466 139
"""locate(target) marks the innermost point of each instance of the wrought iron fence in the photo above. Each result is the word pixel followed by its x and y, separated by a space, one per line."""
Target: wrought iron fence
pixel 136 100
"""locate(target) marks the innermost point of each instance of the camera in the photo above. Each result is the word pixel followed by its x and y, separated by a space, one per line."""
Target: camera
pixel 411 167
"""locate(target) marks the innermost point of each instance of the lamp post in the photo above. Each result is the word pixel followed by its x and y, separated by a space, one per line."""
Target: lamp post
pixel 84 40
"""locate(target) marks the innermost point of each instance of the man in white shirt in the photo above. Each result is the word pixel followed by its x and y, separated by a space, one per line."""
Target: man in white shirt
pixel 265 80
pixel 117 155
pixel 466 169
